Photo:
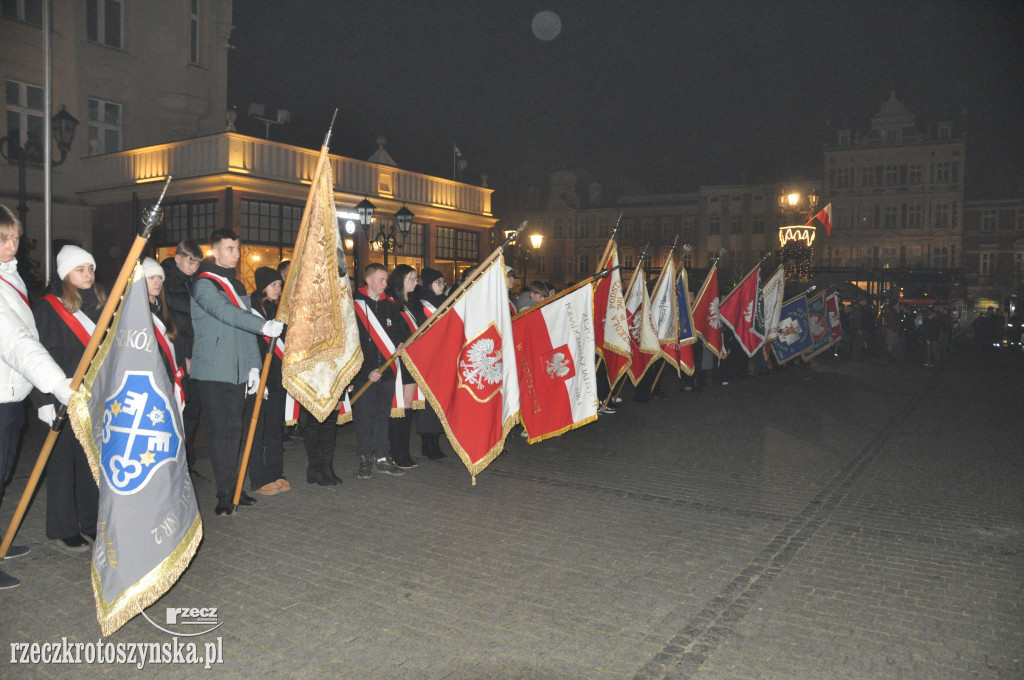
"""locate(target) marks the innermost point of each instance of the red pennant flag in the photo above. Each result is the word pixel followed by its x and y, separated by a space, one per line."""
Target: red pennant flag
pixel 707 321
pixel 824 218
pixel 739 312
pixel 832 308
pixel 643 339
pixel 465 365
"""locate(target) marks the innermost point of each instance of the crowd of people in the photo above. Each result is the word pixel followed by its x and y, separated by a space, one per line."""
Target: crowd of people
pixel 214 336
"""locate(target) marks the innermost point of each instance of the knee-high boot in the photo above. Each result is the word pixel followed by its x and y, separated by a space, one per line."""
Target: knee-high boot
pixel 399 431
pixel 431 447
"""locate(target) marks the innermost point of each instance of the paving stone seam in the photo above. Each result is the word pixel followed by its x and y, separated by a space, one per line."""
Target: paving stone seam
pixel 641 496
pixel 683 655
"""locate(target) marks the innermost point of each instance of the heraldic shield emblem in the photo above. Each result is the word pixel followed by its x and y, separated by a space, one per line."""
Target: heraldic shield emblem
pixel 481 370
pixel 558 364
pixel 139 433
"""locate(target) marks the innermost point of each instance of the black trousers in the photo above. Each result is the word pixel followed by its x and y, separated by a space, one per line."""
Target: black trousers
pixel 72 497
pixel 319 438
pixel 12 419
pixel 266 460
pixel 370 415
pixel 223 405
pixel 190 418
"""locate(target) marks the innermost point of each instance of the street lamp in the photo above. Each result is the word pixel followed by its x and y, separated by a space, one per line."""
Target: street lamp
pixel 796 238
pixel 64 126
pixel 387 240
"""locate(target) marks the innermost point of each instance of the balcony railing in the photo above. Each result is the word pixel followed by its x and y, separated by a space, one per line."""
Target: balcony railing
pixel 229 153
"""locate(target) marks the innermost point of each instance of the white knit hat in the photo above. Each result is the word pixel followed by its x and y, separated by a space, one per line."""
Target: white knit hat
pixel 70 257
pixel 150 267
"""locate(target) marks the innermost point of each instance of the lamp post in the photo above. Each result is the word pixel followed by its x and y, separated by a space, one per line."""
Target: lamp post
pixel 796 237
pixel 32 153
pixel 519 255
pixel 387 240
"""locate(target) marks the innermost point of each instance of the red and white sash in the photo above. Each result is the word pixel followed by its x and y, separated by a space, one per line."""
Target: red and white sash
pixel 224 283
pixel 168 350
pixel 81 325
pixel 22 292
pixel 292 409
pixel 419 401
pixel 387 348
pixel 428 308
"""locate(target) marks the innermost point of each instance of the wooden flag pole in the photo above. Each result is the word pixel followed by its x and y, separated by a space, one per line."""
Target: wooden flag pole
pixel 611 244
pixel 150 220
pixel 265 372
pixel 452 299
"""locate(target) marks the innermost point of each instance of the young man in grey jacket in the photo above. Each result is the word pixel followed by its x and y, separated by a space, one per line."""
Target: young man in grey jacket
pixel 225 359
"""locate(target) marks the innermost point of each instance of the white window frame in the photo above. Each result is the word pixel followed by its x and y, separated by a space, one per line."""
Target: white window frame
pixel 100 126
pixel 23 111
pixel 101 23
pixel 985 260
pixel 989 219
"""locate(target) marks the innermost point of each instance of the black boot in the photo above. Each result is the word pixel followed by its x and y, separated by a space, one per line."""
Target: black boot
pixel 399 430
pixel 431 448
pixel 315 473
pixel 327 470
pixel 224 504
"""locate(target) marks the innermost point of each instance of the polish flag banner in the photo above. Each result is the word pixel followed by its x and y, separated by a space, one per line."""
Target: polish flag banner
pixel 465 364
pixel 707 320
pixel 643 338
pixel 832 312
pixel 742 310
pixel 555 360
pixel 824 218
pixel 611 328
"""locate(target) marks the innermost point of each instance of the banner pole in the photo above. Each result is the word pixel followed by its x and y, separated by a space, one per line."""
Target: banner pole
pixel 265 372
pixel 150 219
pixel 452 299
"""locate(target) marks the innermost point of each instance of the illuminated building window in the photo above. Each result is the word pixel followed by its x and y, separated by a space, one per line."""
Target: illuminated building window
pixel 457 244
pixel 270 223
pixel 194 220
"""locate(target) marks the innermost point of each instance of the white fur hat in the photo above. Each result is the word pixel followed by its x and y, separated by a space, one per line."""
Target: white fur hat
pixel 150 267
pixel 70 257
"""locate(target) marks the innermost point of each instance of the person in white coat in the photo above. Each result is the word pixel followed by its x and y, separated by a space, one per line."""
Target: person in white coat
pixel 24 362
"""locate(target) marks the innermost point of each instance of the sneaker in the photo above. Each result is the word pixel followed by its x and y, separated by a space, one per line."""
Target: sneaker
pixel 524 434
pixel 387 467
pixel 608 410
pixel 616 400
pixel 365 468
pixel 7 581
pixel 16 551
pixel 73 544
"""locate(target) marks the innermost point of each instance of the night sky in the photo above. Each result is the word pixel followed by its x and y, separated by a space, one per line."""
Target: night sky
pixel 671 95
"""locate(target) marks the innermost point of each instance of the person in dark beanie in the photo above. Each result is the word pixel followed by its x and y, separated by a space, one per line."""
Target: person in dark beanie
pixel 266 461
pixel 429 297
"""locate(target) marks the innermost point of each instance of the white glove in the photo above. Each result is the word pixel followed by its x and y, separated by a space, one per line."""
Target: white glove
pixel 254 381
pixel 62 391
pixel 47 414
pixel 273 328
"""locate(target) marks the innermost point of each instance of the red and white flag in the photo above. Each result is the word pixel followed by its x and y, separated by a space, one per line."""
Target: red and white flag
pixel 465 364
pixel 665 314
pixel 742 312
pixel 555 359
pixel 772 293
pixel 643 339
pixel 835 327
pixel 707 321
pixel 824 218
pixel 292 410
pixel 611 328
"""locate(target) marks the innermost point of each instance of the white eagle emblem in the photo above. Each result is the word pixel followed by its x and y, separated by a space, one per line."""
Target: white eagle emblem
pixel 748 314
pixel 634 327
pixel 714 315
pixel 557 366
pixel 480 368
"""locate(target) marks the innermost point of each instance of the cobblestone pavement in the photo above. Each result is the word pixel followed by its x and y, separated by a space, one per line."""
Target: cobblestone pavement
pixel 842 520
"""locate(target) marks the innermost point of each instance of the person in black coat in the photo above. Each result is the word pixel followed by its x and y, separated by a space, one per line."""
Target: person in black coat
pixel 66 318
pixel 179 275
pixel 428 297
pixel 401 284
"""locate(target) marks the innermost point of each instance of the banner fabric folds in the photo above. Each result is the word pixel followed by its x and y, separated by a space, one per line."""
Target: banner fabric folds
pixel 322 352
pixel 555 360
pixel 835 327
pixel 643 338
pixel 742 310
pixel 707 320
pixel 794 331
pixel 817 322
pixel 465 365
pixel 611 329
pixel 125 415
pixel 773 293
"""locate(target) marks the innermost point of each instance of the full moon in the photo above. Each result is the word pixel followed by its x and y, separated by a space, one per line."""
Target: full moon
pixel 546 25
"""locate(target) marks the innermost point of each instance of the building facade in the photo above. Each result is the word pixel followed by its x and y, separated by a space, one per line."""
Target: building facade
pixel 993 251
pixel 897 194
